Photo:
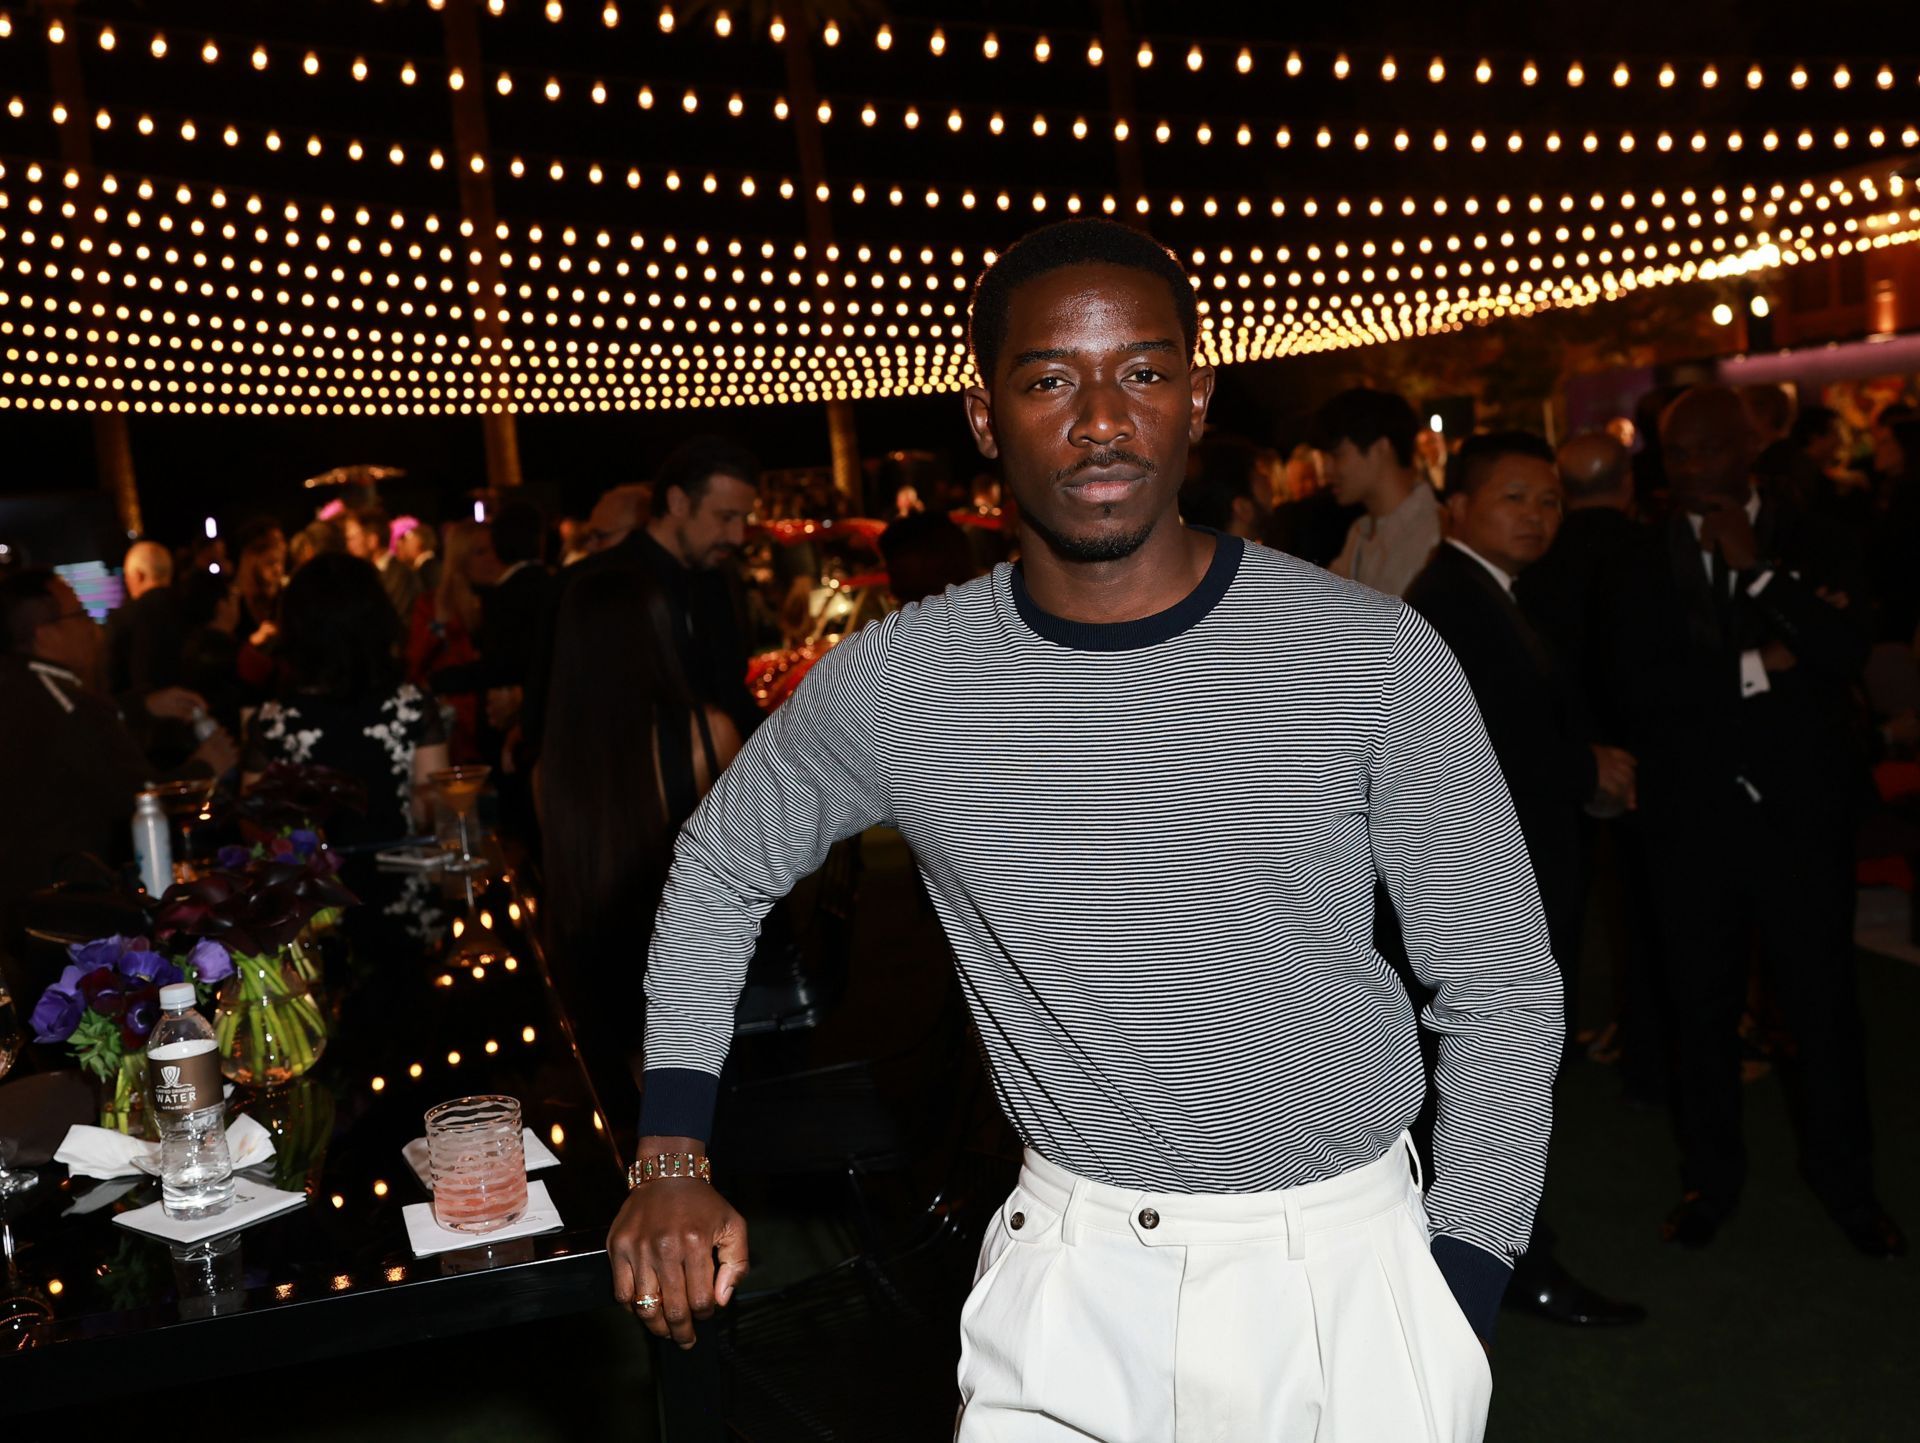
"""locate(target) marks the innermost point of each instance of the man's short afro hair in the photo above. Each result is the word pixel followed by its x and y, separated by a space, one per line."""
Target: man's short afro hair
pixel 1071 243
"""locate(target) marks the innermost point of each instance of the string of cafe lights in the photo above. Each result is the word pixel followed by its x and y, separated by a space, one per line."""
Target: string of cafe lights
pixel 965 117
pixel 1753 206
pixel 1243 58
pixel 151 278
pixel 1597 227
pixel 1314 332
pixel 1256 331
pixel 1040 202
pixel 1485 267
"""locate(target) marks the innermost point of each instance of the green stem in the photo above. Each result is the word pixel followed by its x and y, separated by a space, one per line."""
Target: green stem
pixel 310 1010
pixel 293 1031
pixel 256 1031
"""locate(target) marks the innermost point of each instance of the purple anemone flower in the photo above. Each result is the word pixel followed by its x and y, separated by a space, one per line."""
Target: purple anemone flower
pixel 210 961
pixel 101 952
pixel 59 1010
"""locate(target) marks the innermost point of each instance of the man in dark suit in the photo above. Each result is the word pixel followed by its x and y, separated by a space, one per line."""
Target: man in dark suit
pixel 1739 679
pixel 699 506
pixel 1574 595
pixel 144 636
pixel 1503 509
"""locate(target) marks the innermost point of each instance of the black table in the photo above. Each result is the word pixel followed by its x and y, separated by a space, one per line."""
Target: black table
pixel 422 1016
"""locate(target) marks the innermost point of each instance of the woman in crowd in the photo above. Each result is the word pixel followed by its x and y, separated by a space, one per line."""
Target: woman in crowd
pixel 627 755
pixel 446 621
pixel 342 701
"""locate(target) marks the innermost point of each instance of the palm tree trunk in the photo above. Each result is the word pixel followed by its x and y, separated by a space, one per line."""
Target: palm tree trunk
pixel 804 98
pixel 498 433
pixel 112 448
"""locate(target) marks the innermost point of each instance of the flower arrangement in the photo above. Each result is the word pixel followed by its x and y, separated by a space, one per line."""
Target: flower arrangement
pixel 270 1025
pixel 106 1002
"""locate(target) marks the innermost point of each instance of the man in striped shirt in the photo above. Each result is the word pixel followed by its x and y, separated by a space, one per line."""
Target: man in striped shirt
pixel 1216 1232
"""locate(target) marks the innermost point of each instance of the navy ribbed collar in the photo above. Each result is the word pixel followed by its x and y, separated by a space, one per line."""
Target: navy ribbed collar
pixel 1182 616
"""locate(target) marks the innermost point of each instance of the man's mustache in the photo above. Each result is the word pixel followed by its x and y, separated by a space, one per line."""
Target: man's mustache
pixel 1107 458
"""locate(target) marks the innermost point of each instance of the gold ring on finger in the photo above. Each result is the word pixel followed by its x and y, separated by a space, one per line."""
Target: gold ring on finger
pixel 646 1303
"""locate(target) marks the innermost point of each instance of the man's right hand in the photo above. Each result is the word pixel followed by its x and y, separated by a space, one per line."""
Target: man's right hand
pixel 678 1241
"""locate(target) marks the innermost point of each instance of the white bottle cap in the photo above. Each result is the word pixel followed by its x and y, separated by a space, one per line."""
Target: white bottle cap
pixel 176 995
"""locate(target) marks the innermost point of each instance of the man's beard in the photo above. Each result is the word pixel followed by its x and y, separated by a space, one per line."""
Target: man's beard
pixel 1110 547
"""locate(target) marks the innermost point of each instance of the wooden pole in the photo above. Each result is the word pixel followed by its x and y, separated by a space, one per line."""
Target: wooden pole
pixel 112 447
pixel 804 98
pixel 486 300
pixel 1116 38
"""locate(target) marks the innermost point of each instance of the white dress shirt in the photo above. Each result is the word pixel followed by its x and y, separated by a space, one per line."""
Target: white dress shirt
pixel 1506 581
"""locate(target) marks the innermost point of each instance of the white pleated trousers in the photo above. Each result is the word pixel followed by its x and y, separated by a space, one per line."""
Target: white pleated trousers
pixel 1314 1314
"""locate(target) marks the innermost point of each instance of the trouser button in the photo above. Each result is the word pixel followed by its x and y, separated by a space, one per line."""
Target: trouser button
pixel 1017 1221
pixel 1149 1218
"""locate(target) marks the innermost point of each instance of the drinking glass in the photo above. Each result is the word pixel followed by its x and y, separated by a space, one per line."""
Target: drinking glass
pixel 189 808
pixel 12 1039
pixel 456 815
pixel 479 1162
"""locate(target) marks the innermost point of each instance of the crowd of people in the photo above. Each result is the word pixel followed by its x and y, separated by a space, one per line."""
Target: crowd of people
pixel 1685 657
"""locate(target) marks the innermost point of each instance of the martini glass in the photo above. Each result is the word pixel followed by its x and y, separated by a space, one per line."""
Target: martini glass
pixel 456 815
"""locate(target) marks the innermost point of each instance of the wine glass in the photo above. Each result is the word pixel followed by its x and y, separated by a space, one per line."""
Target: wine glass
pixel 456 816
pixel 12 1039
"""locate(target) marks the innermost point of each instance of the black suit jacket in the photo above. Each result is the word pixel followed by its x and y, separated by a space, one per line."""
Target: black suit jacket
pixel 144 639
pixel 1573 596
pixel 1679 662
pixel 1532 714
pixel 705 626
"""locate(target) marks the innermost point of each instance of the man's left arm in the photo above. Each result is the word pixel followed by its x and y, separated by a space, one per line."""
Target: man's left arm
pixel 1447 845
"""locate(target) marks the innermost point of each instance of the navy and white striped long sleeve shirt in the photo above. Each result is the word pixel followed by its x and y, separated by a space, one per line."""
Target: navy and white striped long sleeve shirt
pixel 1153 846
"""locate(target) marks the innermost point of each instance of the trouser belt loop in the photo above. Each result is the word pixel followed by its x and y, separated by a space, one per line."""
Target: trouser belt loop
pixel 1419 1181
pixel 1296 1229
pixel 1070 1219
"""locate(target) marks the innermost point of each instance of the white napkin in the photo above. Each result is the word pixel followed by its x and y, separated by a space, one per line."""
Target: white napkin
pixel 421 1160
pixel 428 1237
pixel 251 1203
pixel 102 1152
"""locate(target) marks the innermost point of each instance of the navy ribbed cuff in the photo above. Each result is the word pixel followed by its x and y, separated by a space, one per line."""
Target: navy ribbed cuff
pixel 677 1102
pixel 1478 1279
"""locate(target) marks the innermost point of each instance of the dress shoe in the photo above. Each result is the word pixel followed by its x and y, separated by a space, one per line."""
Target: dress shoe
pixel 1694 1222
pixel 1549 1291
pixel 1873 1233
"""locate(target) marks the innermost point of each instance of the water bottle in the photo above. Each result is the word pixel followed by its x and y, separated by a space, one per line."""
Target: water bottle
pixel 183 1068
pixel 152 844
